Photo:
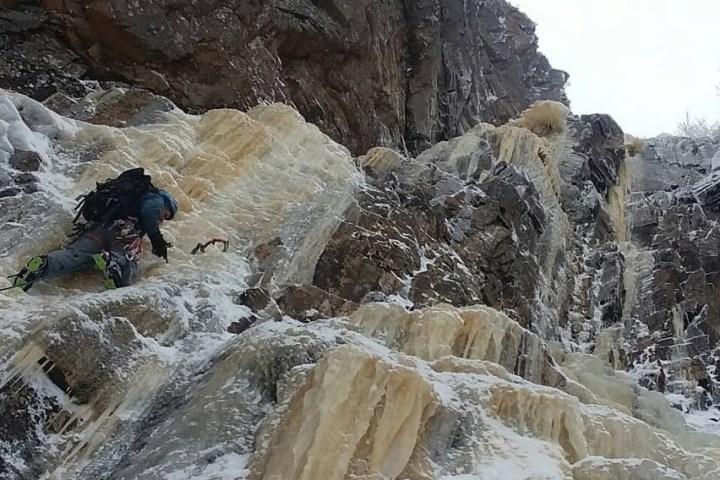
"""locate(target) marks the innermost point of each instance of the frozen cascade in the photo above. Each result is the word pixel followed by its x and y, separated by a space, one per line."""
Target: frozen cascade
pixel 617 202
pixel 246 177
pixel 144 383
pixel 540 157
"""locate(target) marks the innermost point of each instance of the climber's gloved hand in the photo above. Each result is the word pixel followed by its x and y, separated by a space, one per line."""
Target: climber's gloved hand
pixel 159 245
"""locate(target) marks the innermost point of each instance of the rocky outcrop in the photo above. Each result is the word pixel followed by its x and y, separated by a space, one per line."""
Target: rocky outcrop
pixel 117 107
pixel 310 303
pixel 403 74
pixel 667 162
pixel 19 179
pixel 424 235
pixel 589 172
pixel 672 212
pixel 594 180
pixel 601 145
pixel 35 59
pixel 481 219
pixel 468 63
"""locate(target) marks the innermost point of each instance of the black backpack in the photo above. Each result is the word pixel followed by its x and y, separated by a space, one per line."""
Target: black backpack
pixel 116 198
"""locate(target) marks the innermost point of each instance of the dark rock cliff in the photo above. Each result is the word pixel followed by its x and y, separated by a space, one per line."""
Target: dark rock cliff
pixel 393 73
pixel 673 218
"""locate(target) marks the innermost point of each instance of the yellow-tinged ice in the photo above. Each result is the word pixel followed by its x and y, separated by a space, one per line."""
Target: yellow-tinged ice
pixel 246 177
pixel 477 333
pixel 239 176
pixel 617 202
pixel 544 413
pixel 358 414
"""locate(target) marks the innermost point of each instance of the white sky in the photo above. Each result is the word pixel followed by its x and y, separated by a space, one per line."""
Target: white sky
pixel 645 62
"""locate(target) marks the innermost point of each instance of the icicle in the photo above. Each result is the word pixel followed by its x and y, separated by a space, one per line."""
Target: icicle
pixel 25 365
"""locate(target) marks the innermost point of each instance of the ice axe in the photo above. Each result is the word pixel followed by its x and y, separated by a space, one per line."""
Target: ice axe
pixel 200 247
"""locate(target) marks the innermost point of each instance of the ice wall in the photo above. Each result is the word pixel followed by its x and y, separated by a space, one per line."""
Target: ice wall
pixel 452 407
pixel 478 333
pixel 247 177
pixel 357 414
pixel 617 202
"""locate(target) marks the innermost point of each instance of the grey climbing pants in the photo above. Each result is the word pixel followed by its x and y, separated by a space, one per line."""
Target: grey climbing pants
pixel 78 255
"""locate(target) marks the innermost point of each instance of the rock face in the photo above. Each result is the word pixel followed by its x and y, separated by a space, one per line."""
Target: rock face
pixel 673 213
pixel 35 60
pixel 461 224
pixel 667 162
pixel 421 234
pixel 498 216
pixel 395 73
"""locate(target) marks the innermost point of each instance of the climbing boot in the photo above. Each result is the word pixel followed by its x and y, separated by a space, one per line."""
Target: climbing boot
pixel 34 268
pixel 109 268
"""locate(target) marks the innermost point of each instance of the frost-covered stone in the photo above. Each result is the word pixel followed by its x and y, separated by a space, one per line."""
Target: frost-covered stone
pixel 25 161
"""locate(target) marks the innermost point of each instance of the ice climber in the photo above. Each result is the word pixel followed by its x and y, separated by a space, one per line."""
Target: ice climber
pixel 115 217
